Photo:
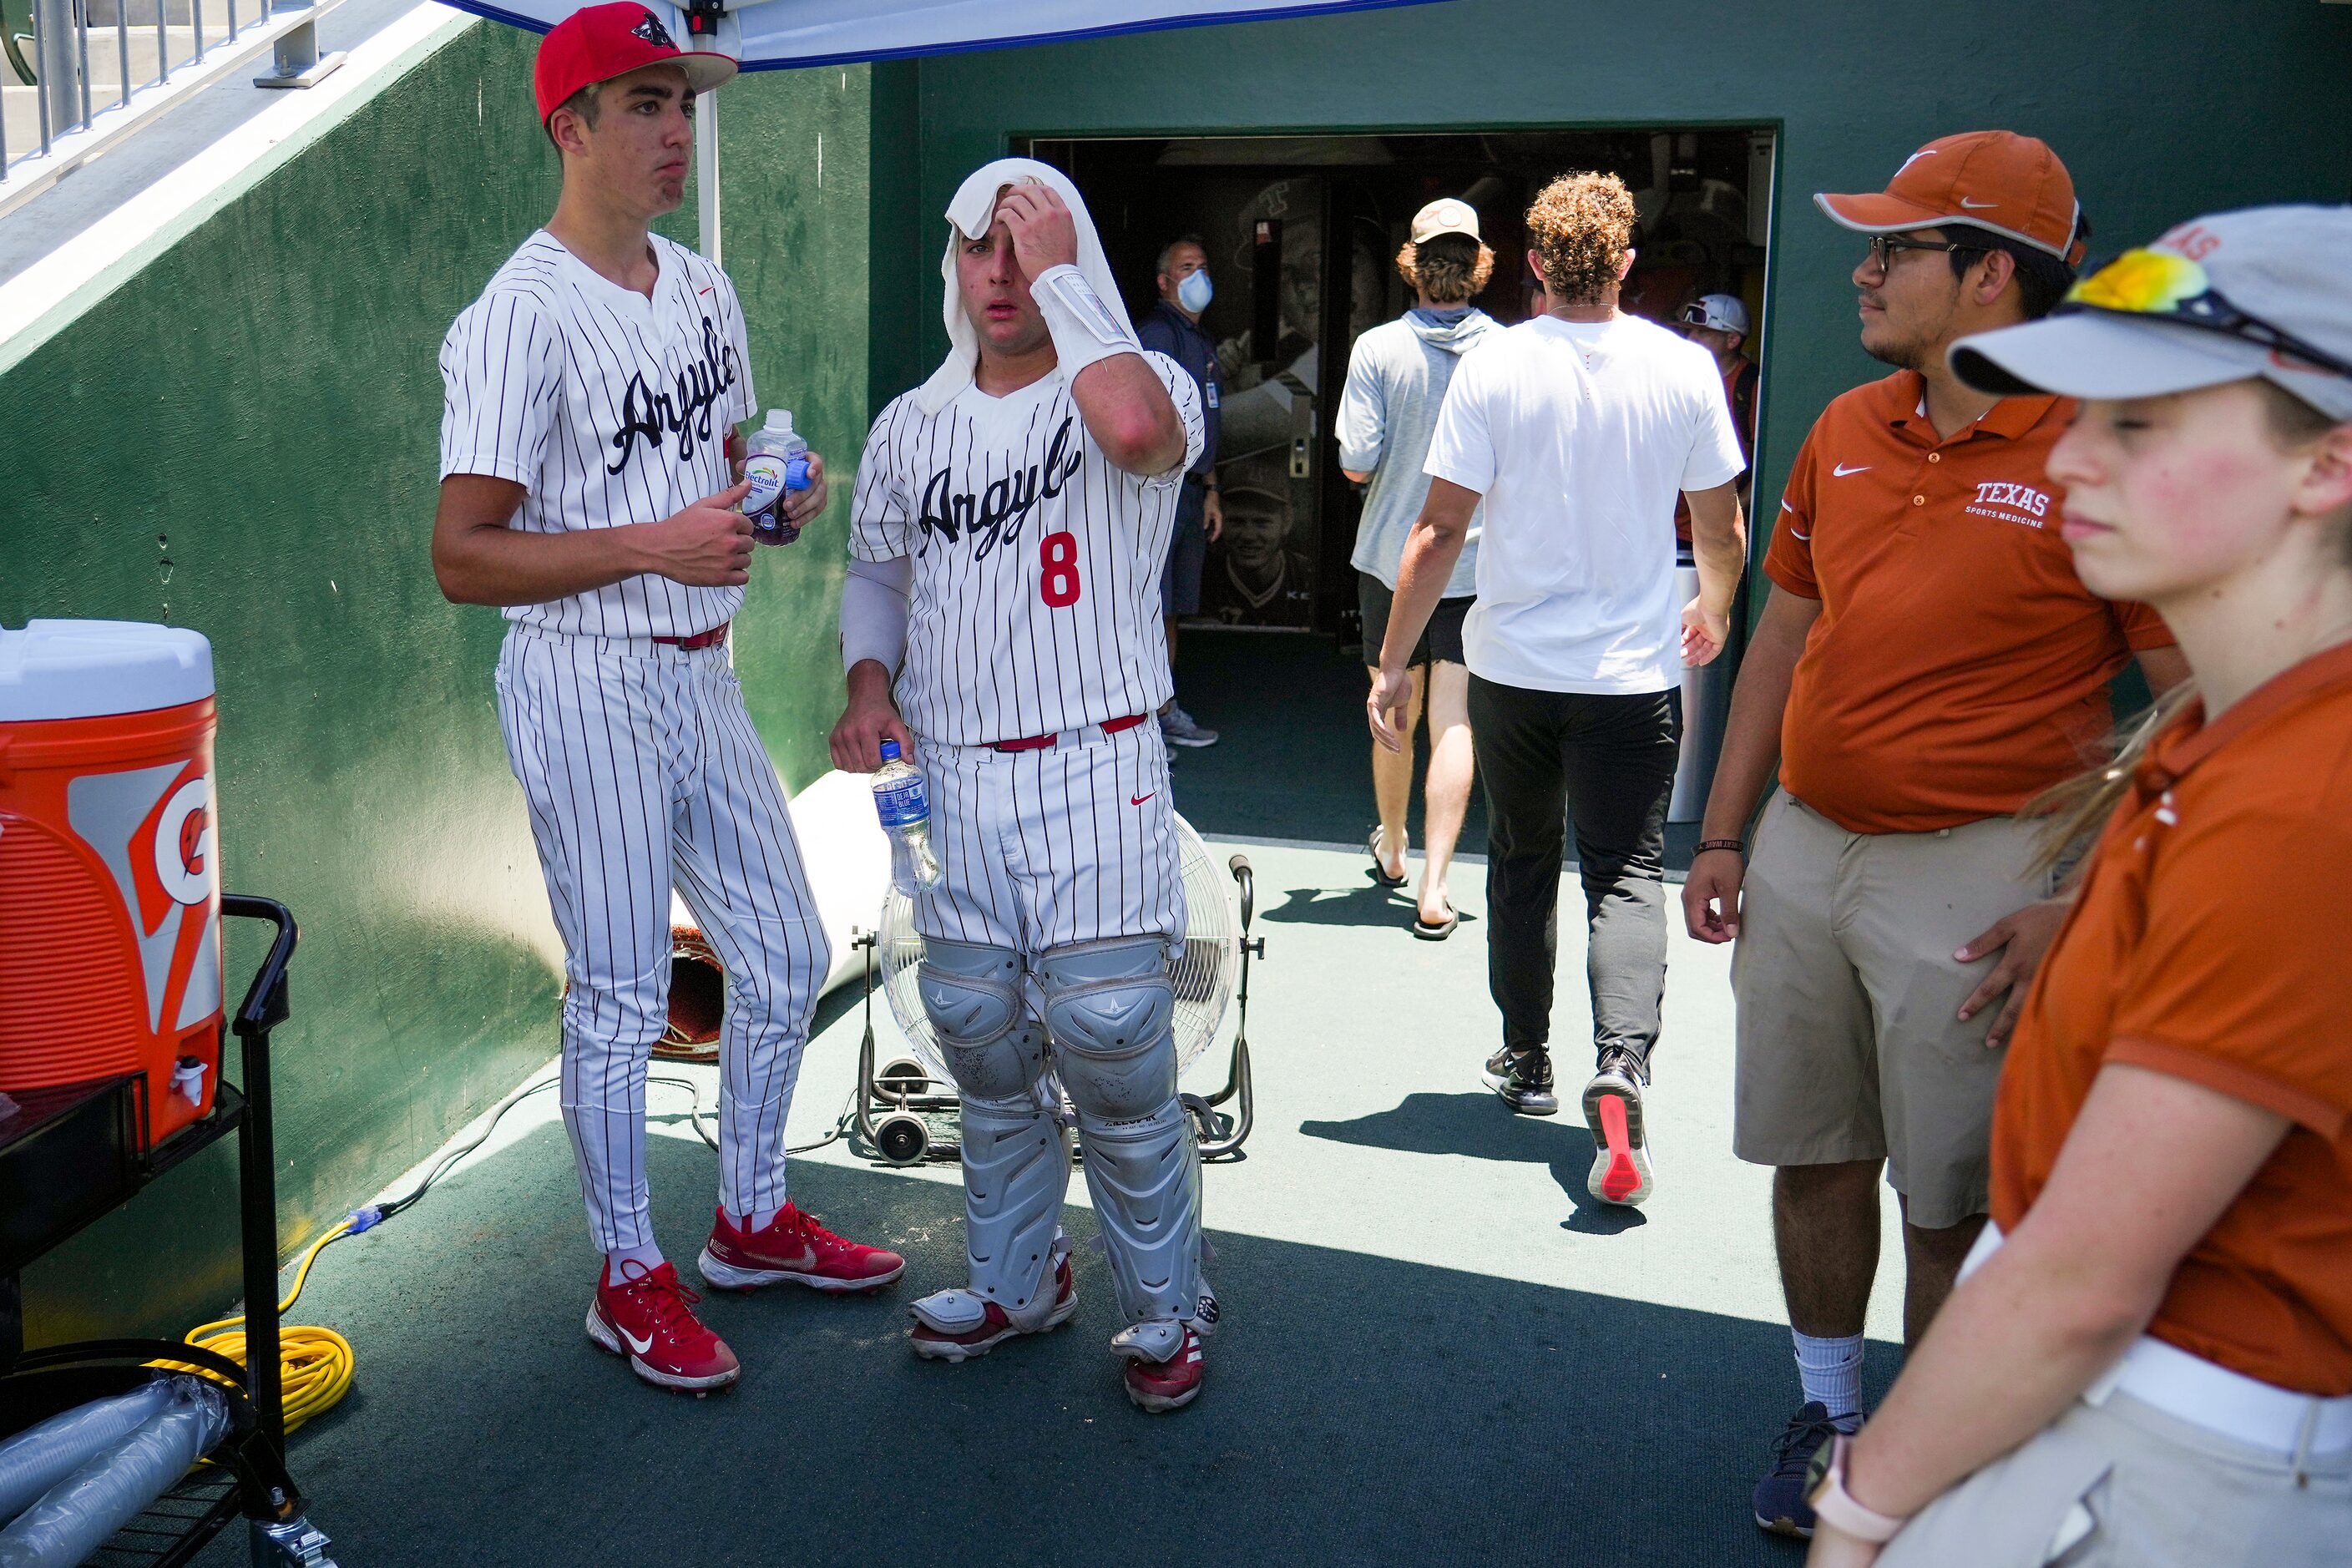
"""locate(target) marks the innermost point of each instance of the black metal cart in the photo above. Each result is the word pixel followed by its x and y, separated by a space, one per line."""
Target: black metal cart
pixel 72 1154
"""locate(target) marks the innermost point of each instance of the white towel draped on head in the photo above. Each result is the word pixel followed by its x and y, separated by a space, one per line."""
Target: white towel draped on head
pixel 969 216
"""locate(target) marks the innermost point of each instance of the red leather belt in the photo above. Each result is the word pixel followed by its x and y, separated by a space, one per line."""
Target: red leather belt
pixel 710 638
pixel 1039 743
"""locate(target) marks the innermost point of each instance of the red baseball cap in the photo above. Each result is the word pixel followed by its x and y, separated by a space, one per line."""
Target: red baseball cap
pixel 1997 180
pixel 600 42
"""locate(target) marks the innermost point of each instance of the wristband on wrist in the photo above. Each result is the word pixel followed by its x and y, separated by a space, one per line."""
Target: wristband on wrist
pixel 1084 329
pixel 1835 1507
pixel 1733 844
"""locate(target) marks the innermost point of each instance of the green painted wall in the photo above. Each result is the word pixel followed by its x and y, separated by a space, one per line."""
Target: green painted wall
pixel 2160 111
pixel 242 438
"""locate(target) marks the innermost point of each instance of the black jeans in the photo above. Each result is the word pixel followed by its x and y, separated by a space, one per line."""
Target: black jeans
pixel 1607 764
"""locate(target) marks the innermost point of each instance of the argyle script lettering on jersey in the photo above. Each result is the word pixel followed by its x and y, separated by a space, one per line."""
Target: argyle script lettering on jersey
pixel 1035 603
pixel 685 410
pixel 608 408
pixel 995 516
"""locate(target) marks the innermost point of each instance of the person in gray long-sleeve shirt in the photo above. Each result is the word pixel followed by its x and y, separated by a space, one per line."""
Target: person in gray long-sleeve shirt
pixel 1397 378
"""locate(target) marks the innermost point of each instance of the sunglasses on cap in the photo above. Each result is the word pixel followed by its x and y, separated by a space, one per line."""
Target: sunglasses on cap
pixel 2167 287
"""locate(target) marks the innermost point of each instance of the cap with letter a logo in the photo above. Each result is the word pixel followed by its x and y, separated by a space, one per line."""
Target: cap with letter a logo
pixel 600 42
pixel 1997 180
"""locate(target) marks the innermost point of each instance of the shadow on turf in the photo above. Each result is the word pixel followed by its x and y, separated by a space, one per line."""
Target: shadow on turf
pixel 1478 1126
pixel 1358 1408
pixel 1370 905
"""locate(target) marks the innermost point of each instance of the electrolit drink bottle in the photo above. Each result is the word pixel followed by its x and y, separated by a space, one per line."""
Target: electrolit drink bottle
pixel 778 463
pixel 904 804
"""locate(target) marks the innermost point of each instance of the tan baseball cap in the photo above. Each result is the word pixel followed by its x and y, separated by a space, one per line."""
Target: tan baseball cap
pixel 1446 215
pixel 1997 180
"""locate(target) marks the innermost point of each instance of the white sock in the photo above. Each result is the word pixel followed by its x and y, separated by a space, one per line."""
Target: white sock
pixel 647 1257
pixel 757 1219
pixel 1831 1370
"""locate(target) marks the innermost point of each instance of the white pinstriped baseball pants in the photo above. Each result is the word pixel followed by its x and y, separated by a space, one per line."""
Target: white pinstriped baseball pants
pixel 643 770
pixel 1042 849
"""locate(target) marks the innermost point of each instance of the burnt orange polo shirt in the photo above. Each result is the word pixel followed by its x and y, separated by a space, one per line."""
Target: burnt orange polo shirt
pixel 2212 941
pixel 1958 666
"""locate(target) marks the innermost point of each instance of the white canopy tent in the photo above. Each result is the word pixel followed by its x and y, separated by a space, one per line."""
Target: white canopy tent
pixel 783 35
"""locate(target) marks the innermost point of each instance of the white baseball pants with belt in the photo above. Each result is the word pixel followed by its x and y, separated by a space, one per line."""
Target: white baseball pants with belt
pixel 643 773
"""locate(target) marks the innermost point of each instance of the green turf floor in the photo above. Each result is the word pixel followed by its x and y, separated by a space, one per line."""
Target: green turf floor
pixel 1435 1347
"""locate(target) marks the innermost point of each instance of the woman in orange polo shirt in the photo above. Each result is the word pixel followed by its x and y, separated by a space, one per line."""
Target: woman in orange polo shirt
pixel 2150 1357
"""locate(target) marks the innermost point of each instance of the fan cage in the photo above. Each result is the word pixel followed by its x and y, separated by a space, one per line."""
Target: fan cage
pixel 1201 973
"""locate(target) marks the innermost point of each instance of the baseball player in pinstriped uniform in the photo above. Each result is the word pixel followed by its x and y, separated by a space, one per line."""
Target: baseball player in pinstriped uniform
pixel 593 395
pixel 1006 536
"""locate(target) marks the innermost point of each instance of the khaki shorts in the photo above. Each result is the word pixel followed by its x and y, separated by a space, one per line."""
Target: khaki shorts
pixel 1850 1046
pixel 2125 1485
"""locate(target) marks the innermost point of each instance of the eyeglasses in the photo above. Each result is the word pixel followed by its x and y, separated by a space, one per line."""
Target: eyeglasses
pixel 1883 247
pixel 2172 288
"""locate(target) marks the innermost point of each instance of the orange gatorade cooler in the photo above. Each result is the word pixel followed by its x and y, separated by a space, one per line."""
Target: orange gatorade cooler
pixel 109 883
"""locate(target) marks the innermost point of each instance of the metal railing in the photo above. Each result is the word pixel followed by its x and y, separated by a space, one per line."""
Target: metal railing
pixel 73 67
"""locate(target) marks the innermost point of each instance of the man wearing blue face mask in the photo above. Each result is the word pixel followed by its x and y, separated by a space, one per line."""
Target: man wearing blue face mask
pixel 1174 329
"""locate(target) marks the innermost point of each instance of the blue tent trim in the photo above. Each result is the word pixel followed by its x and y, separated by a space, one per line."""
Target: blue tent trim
pixel 1156 25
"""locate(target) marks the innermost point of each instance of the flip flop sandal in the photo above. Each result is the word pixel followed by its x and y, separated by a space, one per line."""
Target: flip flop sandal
pixel 1442 930
pixel 1372 846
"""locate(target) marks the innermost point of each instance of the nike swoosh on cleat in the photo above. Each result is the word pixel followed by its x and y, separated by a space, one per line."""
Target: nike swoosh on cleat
pixel 1139 799
pixel 1840 471
pixel 640 1346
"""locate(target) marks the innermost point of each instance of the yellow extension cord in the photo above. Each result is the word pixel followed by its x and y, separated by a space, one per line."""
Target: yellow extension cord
pixel 314 1363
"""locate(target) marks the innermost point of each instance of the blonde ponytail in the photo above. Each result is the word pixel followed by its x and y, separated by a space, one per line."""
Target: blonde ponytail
pixel 2074 813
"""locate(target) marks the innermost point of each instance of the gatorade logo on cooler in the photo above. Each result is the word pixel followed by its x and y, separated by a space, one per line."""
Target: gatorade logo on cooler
pixel 152 829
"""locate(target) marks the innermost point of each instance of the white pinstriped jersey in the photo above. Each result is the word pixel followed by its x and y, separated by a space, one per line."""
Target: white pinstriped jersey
pixel 608 408
pixel 1035 603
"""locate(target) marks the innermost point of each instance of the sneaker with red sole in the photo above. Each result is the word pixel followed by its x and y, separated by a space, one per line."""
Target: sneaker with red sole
pixel 1164 1368
pixel 956 1325
pixel 794 1248
pixel 647 1316
pixel 1620 1148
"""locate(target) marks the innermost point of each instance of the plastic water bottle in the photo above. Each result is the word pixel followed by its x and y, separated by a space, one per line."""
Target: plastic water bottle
pixel 904 804
pixel 778 463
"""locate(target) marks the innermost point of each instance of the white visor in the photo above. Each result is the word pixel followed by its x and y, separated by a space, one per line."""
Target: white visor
pixel 2091 353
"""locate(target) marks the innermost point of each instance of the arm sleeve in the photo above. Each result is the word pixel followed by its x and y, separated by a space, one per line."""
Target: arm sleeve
pixel 1185 392
pixel 2142 627
pixel 1715 455
pixel 1461 451
pixel 881 521
pixel 1789 561
pixel 2238 983
pixel 501 379
pixel 873 612
pixel 1363 424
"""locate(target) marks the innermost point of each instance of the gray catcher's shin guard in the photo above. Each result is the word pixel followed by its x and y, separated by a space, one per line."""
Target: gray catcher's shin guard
pixel 1111 1013
pixel 1016 1158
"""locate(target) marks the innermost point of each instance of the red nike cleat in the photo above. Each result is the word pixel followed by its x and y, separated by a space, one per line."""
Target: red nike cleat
pixel 794 1248
pixel 956 1325
pixel 648 1317
pixel 1166 1384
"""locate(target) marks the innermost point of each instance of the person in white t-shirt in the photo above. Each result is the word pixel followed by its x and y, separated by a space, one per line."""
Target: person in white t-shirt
pixel 1578 430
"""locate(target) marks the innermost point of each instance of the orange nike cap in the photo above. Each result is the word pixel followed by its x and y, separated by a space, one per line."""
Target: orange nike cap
pixel 1997 180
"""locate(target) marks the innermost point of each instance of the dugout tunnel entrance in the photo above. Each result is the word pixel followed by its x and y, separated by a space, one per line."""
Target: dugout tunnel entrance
pixel 1301 233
